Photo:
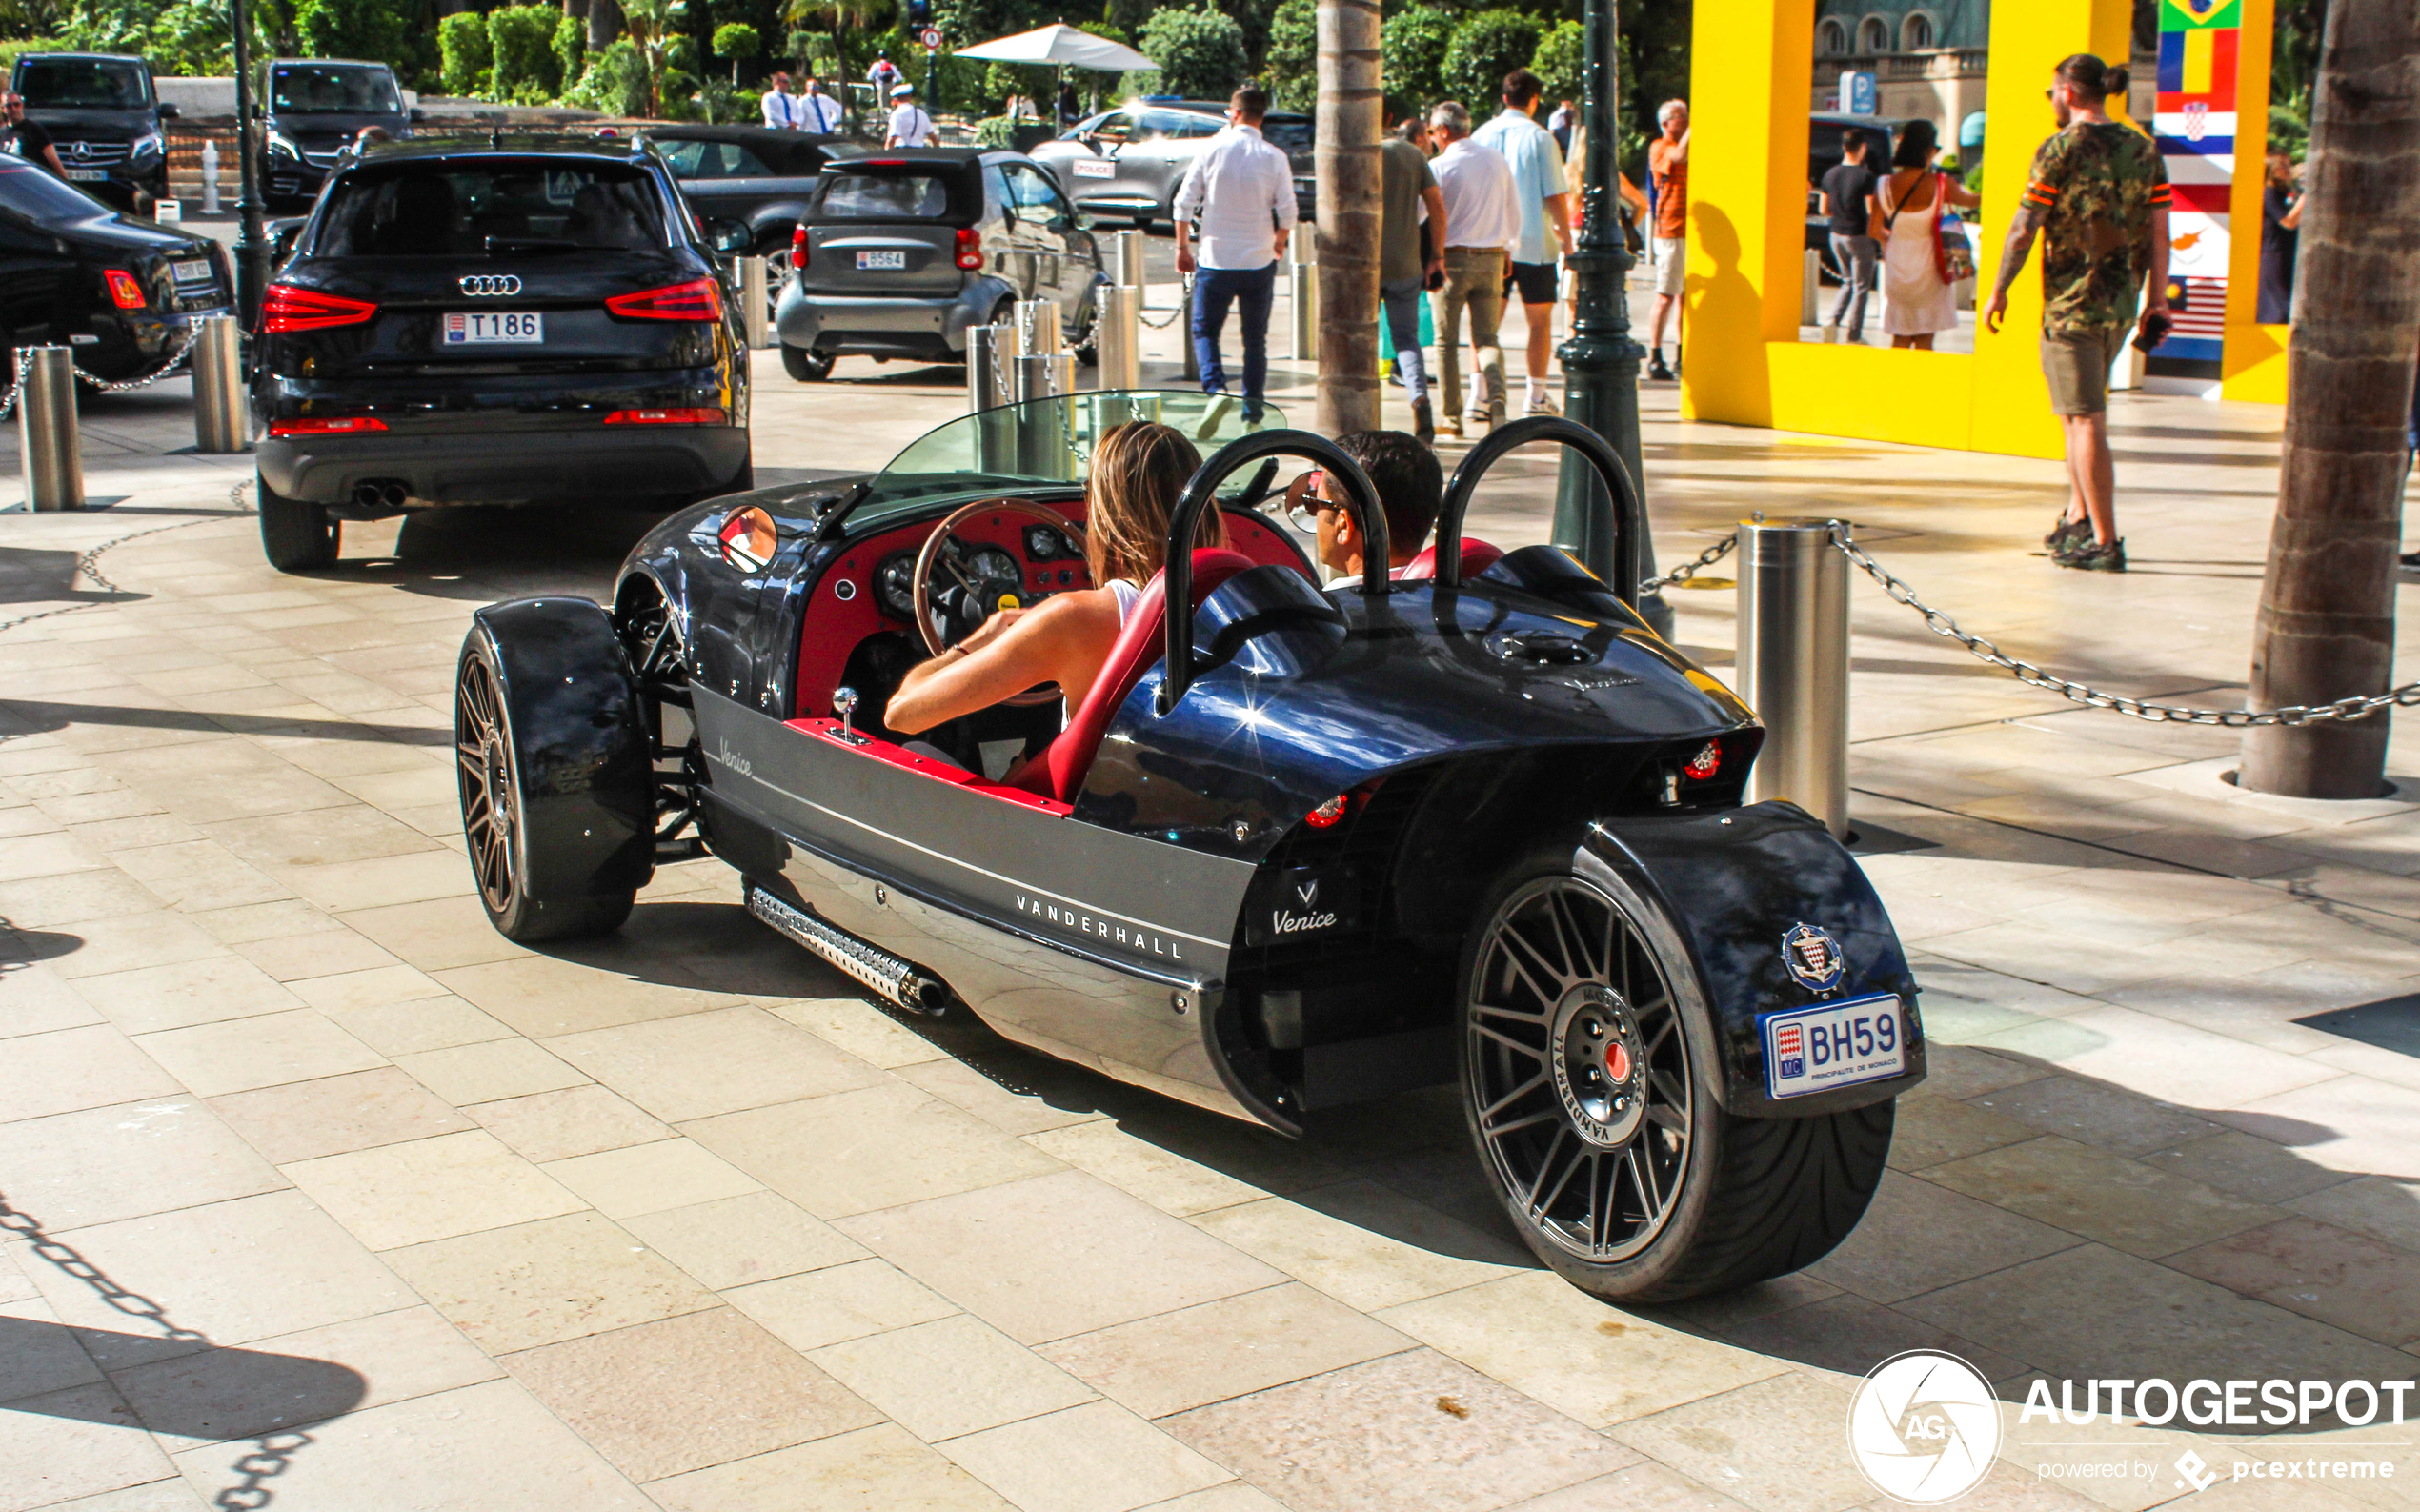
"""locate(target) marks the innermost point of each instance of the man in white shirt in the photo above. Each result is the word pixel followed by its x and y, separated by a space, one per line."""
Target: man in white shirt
pixel 778 108
pixel 1239 198
pixel 816 110
pixel 884 74
pixel 910 125
pixel 1545 220
pixel 1483 217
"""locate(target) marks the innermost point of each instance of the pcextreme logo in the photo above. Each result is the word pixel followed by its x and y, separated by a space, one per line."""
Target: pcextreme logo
pixel 1924 1428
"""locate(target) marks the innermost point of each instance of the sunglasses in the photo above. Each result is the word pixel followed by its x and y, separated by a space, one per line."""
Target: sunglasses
pixel 1305 515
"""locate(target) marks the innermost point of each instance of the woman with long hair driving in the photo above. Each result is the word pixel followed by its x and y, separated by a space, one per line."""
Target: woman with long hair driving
pixel 1137 471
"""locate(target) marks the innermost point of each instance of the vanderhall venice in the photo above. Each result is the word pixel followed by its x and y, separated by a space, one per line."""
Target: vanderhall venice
pixel 1475 824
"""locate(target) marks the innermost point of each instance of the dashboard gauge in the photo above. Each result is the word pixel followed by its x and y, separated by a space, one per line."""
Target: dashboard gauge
pixel 995 573
pixel 1043 544
pixel 895 584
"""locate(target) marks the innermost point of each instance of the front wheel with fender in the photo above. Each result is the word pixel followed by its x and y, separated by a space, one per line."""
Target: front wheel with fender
pixel 295 534
pixel 552 760
pixel 1589 1066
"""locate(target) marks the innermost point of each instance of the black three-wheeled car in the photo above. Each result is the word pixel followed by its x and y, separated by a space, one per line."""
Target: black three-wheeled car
pixel 1296 849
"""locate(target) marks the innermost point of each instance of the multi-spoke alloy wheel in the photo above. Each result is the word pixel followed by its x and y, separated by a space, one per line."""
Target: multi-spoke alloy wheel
pixel 1591 1069
pixel 482 753
pixel 1579 1070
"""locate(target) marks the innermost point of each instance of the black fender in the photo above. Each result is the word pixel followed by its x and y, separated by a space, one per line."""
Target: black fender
pixel 587 785
pixel 1732 884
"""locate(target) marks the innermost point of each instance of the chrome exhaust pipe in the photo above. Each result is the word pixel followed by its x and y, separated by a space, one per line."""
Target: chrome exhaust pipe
pixel 367 495
pixel 885 973
pixel 392 495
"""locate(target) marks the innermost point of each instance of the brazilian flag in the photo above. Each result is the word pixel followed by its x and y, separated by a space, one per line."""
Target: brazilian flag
pixel 2200 15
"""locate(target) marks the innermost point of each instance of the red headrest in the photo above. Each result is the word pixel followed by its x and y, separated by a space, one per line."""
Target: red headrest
pixel 1059 770
pixel 1476 557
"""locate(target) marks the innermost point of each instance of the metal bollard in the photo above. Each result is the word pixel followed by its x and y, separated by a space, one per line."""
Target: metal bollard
pixel 1184 332
pixel 754 305
pixel 1793 663
pixel 1811 292
pixel 1125 259
pixel 989 350
pixel 219 418
pixel 1046 386
pixel 1303 286
pixel 1119 343
pixel 1039 330
pixel 46 430
pixel 1044 375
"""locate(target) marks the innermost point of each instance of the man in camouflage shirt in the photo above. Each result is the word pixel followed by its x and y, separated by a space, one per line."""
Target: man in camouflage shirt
pixel 2100 197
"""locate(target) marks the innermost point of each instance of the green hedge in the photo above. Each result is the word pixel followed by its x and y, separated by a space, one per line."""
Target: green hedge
pixel 521 45
pixel 467 56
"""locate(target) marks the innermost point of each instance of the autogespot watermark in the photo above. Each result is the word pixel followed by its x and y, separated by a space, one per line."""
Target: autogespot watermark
pixel 1924 1428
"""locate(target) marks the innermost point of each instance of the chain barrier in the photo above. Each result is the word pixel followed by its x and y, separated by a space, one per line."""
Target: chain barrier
pixel 16 383
pixel 273 1452
pixel 2293 716
pixel 25 360
pixel 1184 303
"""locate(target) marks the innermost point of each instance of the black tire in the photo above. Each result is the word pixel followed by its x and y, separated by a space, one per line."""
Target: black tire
pixel 805 365
pixel 564 893
pixel 1620 1168
pixel 295 534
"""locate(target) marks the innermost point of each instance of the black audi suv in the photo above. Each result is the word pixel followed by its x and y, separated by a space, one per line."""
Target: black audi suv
pixel 510 323
pixel 121 292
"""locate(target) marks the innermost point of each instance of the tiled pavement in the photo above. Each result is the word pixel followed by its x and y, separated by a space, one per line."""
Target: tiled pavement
pixel 407 1217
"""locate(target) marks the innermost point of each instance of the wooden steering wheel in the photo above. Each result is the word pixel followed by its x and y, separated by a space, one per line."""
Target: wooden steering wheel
pixel 930 555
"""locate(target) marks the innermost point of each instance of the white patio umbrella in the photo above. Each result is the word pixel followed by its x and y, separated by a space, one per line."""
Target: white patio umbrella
pixel 1062 45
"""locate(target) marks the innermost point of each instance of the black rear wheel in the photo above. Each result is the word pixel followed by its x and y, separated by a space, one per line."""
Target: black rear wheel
pixel 295 534
pixel 806 365
pixel 1589 1066
pixel 495 819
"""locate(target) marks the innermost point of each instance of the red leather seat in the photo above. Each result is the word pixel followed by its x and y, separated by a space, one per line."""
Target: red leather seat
pixel 1059 771
pixel 1476 557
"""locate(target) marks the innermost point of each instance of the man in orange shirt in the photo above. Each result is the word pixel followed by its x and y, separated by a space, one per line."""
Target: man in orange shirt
pixel 1668 160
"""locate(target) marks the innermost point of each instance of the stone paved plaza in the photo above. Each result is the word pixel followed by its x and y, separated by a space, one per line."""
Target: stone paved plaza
pixel 345 1201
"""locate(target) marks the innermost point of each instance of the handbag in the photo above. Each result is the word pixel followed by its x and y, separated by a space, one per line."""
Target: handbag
pixel 1953 255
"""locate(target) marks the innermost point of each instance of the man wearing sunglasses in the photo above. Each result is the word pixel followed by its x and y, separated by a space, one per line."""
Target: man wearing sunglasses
pixel 1410 487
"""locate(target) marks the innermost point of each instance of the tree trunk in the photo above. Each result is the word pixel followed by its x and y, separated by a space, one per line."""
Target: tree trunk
pixel 576 9
pixel 1350 122
pixel 604 24
pixel 2327 628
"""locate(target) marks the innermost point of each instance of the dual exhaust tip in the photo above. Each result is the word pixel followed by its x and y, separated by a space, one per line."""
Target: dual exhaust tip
pixel 380 493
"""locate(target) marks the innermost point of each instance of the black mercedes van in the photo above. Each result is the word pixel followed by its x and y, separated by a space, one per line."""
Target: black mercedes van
pixel 309 109
pixel 105 118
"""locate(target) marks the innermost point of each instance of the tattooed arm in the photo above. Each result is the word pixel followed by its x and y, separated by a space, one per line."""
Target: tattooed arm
pixel 2012 260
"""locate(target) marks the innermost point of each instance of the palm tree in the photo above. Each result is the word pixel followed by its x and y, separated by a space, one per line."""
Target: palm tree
pixel 838 16
pixel 2327 625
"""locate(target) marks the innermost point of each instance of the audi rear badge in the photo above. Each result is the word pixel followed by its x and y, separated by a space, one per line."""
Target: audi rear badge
pixel 491 284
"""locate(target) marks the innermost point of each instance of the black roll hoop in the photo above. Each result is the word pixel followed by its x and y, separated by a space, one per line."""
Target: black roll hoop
pixel 1631 510
pixel 1200 496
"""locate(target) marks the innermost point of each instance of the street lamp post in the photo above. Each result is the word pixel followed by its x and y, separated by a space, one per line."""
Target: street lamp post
pixel 252 237
pixel 1600 361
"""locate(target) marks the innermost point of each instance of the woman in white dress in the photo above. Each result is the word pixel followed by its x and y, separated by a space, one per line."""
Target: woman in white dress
pixel 1907 217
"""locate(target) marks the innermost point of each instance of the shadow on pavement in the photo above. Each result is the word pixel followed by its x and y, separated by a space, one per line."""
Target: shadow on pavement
pixel 47 716
pixel 36 575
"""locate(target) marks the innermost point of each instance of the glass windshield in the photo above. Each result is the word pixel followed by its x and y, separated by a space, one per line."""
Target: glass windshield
pixel 83 84
pixel 39 197
pixel 884 196
pixel 436 209
pixel 1043 441
pixel 311 88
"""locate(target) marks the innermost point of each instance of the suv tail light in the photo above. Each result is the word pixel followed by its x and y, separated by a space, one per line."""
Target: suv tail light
pixel 342 425
pixel 701 415
pixel 124 290
pixel 970 247
pixel 699 299
pixel 291 306
pixel 798 246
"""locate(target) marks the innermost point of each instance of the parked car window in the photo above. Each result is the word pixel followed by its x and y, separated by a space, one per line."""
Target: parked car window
pixel 884 196
pixel 39 197
pixel 1033 195
pixel 1288 136
pixel 83 84
pixel 1159 123
pixel 714 160
pixel 309 89
pixel 1118 126
pixel 995 187
pixel 436 209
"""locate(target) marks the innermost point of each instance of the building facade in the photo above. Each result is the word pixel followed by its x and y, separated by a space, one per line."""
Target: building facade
pixel 1928 58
